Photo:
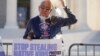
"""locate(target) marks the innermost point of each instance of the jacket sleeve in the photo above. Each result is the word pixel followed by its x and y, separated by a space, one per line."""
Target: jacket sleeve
pixel 28 29
pixel 71 18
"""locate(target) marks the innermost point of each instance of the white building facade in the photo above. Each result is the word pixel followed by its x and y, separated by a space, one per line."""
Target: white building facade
pixel 86 11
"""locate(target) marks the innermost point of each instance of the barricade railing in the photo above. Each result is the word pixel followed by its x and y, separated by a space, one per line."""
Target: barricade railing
pixel 87 47
pixel 70 48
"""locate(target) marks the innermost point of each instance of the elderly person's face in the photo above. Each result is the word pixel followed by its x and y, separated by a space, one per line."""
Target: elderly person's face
pixel 45 8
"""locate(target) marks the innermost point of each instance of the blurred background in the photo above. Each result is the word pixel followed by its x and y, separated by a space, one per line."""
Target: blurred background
pixel 14 15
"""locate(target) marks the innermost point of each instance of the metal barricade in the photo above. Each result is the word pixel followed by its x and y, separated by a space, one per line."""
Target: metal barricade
pixel 86 47
pixel 70 49
pixel 7 47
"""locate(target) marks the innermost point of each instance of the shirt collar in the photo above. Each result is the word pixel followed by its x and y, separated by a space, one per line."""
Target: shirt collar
pixel 42 18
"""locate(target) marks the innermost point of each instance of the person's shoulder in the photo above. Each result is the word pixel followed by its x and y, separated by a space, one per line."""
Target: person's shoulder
pixel 34 18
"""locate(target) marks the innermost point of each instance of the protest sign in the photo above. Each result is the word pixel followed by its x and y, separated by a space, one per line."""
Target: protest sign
pixel 44 47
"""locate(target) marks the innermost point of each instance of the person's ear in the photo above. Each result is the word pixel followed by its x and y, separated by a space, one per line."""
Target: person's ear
pixel 39 8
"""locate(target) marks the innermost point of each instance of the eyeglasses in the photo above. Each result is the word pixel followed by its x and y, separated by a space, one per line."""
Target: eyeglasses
pixel 45 8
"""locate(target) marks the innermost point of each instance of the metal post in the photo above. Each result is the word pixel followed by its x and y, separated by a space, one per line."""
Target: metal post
pixel 85 50
pixel 93 50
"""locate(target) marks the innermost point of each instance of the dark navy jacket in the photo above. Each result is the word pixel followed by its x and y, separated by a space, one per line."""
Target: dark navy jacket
pixel 33 25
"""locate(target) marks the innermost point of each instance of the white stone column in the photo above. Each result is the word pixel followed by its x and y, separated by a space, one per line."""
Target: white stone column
pixel 11 21
pixel 83 14
pixel 79 8
pixel 93 14
pixel 34 7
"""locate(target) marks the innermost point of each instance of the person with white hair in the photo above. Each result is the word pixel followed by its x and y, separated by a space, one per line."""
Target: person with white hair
pixel 45 27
